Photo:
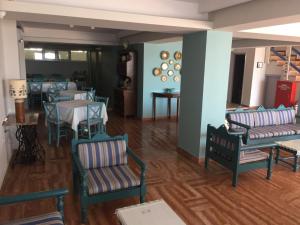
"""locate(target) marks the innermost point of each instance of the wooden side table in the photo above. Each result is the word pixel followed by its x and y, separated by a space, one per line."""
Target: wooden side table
pixel 29 149
pixel 169 96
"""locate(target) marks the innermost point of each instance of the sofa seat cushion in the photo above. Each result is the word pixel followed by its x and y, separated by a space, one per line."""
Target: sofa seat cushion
pixel 113 178
pixel 265 118
pixel 102 154
pixel 252 156
pixel 49 219
pixel 294 127
pixel 246 118
pixel 281 130
pixel 261 132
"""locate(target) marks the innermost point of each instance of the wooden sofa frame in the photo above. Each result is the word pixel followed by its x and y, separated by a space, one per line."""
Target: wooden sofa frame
pixel 230 158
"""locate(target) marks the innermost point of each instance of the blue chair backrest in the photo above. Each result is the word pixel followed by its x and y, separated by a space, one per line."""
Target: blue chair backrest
pixel 102 99
pixel 51 97
pixel 94 111
pixel 52 113
pixel 90 95
pixel 35 87
pixel 62 98
pixel 61 86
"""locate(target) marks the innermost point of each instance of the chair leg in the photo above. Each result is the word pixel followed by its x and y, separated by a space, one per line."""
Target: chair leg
pixel 83 213
pixel 206 162
pixel 57 136
pixel 270 163
pixel 49 134
pixel 235 178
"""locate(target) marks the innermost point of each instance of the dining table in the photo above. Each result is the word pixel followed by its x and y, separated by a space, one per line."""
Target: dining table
pixel 74 94
pixel 72 112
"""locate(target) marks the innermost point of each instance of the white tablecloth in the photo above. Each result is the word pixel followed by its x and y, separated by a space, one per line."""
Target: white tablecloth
pixel 76 95
pixel 47 85
pixel 75 111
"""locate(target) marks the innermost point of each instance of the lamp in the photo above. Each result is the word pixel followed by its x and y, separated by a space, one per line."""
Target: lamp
pixel 18 91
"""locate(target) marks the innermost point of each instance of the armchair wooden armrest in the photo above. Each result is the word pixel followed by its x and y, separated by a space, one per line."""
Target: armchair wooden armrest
pixel 138 161
pixel 79 167
pixel 58 193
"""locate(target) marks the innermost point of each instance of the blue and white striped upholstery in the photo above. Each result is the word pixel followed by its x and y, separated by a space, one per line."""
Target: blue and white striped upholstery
pixel 265 118
pixel 261 132
pixel 110 179
pixel 286 116
pixel 102 154
pixel 252 156
pixel 273 131
pixel 221 141
pixel 294 127
pixel 46 219
pixel 246 118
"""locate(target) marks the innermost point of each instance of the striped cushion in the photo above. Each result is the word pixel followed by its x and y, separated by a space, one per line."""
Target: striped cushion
pixel 47 219
pixel 281 130
pixel 221 141
pixel 252 156
pixel 246 118
pixel 110 179
pixel 294 127
pixel 266 118
pixel 286 116
pixel 102 154
pixel 260 132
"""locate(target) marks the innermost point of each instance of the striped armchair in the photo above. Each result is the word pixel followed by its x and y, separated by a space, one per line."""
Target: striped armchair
pixel 101 171
pixel 228 150
pixel 53 218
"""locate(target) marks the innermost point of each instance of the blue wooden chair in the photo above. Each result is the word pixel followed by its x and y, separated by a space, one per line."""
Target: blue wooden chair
pixel 90 95
pixel 87 88
pixel 53 120
pixel 61 86
pixel 35 93
pixel 102 99
pixel 56 217
pixel 101 171
pixel 94 123
pixel 227 149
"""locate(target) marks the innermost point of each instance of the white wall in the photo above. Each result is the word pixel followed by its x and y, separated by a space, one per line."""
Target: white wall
pixel 254 78
pixel 9 69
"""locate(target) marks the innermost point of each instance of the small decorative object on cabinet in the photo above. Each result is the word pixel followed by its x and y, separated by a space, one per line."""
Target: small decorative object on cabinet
pixel 125 102
pixel 164 55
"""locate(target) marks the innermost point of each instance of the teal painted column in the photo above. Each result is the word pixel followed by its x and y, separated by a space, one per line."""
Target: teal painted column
pixel 204 81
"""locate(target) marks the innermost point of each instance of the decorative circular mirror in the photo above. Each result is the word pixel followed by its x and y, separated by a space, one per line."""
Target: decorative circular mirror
pixel 164 66
pixel 176 78
pixel 164 78
pixel 171 61
pixel 156 71
pixel 177 55
pixel 164 55
pixel 170 73
pixel 177 66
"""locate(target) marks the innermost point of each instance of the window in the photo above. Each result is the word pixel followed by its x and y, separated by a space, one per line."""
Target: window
pixel 63 55
pixel 33 53
pixel 78 55
pixel 49 55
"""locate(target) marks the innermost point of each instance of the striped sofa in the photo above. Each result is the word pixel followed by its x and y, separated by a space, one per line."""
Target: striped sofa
pixel 101 171
pixel 53 218
pixel 227 150
pixel 264 125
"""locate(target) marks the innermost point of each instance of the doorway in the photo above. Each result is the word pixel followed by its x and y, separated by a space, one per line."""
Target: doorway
pixel 238 77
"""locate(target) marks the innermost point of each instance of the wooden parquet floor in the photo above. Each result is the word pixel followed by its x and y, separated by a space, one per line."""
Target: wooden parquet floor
pixel 197 195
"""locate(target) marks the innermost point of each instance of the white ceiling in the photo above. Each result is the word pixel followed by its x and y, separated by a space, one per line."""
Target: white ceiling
pixel 186 9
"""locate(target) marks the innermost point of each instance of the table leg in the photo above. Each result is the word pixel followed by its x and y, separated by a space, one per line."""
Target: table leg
pixel 296 163
pixel 154 107
pixel 277 154
pixel 29 149
pixel 169 108
pixel 177 111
